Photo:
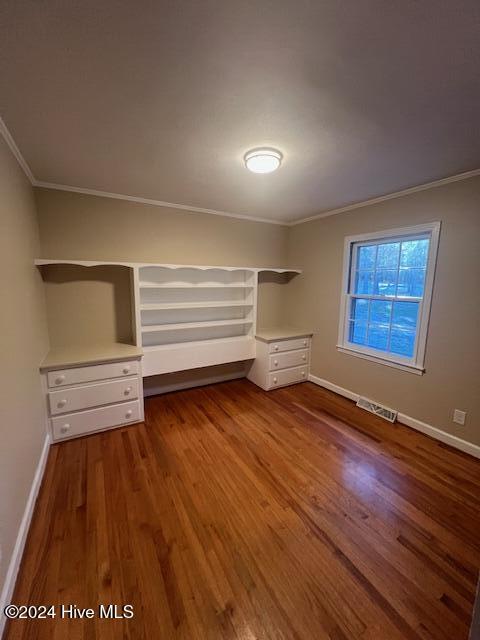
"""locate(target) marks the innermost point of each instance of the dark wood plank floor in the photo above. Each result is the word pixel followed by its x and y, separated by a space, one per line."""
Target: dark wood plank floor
pixel 235 513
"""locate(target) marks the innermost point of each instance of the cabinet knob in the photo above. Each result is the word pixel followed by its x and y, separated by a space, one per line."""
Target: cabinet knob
pixel 61 403
pixel 275 348
pixel 304 343
pixel 59 380
pixel 275 362
pixel 275 380
pixel 64 428
pixel 126 369
pixel 127 390
pixel 128 414
pixel 304 357
pixel 303 374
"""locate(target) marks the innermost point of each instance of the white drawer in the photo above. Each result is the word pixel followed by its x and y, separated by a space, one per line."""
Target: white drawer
pixel 91 373
pixel 76 424
pixel 287 376
pixel 288 345
pixel 93 395
pixel 287 359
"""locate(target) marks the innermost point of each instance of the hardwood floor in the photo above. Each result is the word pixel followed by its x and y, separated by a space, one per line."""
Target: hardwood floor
pixel 235 513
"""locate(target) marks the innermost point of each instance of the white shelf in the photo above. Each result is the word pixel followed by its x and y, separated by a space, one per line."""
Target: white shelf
pixel 154 306
pixel 181 285
pixel 94 263
pixel 235 340
pixel 193 325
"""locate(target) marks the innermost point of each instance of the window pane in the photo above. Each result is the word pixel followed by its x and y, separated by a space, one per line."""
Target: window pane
pixel 378 336
pixel 388 255
pixel 385 282
pixel 358 332
pixel 359 309
pixel 405 314
pixel 366 257
pixel 414 253
pixel 402 341
pixel 380 312
pixel 364 282
pixel 411 282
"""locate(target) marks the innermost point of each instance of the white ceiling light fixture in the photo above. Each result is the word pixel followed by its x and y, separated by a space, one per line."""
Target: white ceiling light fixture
pixel 263 160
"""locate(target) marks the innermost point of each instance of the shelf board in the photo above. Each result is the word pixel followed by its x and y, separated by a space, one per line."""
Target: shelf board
pixel 194 305
pixel 193 325
pixel 194 343
pixel 181 285
pixel 94 263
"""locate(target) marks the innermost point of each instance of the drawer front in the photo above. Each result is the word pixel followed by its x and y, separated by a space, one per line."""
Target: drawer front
pixel 287 376
pixel 93 395
pixel 76 424
pixel 92 373
pixel 288 345
pixel 287 359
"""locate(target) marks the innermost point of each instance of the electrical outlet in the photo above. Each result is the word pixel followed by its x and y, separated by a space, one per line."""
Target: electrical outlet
pixel 459 416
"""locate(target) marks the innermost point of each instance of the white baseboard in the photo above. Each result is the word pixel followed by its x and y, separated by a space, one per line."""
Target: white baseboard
pixel 17 554
pixel 190 384
pixel 418 425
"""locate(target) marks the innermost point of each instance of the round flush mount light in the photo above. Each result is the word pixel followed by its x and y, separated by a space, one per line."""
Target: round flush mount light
pixel 263 160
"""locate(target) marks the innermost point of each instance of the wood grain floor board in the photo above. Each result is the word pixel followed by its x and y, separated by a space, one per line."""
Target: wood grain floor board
pixel 239 514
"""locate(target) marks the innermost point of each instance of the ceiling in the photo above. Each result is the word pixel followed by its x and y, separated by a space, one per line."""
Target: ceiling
pixel 161 99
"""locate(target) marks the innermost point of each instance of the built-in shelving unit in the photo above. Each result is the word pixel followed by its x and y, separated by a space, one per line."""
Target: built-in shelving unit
pixel 190 316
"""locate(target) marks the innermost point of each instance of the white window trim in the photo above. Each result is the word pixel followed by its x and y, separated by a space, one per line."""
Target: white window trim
pixel 416 363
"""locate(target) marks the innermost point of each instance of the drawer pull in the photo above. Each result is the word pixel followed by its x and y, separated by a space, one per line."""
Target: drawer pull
pixel 59 380
pixel 127 391
pixel 304 357
pixel 275 362
pixel 275 380
pixel 126 370
pixel 65 428
pixel 275 348
pixel 304 343
pixel 303 374
pixel 128 414
pixel 61 403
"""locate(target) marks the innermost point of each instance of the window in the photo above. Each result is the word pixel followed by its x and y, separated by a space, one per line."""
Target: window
pixel 387 289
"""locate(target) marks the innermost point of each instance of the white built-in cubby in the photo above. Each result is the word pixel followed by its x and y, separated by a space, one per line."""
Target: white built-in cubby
pixel 201 315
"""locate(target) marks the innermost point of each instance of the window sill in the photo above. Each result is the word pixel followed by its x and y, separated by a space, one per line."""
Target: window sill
pixel 410 368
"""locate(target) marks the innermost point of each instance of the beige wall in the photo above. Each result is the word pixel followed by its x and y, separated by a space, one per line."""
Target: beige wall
pixel 87 304
pixel 452 358
pixel 77 226
pixel 74 226
pixel 24 342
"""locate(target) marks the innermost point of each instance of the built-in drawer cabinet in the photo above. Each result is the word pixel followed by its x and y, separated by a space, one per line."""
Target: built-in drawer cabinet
pixel 83 422
pixel 92 395
pixel 92 373
pixel 288 359
pixel 89 398
pixel 281 361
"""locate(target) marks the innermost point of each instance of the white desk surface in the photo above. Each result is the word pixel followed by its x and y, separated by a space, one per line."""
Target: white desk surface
pixel 270 334
pixel 71 356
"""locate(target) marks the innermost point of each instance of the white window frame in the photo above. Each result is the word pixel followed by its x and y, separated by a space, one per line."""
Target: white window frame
pixel 415 364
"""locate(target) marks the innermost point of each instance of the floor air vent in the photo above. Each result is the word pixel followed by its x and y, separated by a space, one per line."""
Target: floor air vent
pixel 377 409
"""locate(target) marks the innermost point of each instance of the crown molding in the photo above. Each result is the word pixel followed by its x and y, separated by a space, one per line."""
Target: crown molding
pixel 389 196
pixel 16 151
pixel 156 203
pixel 191 209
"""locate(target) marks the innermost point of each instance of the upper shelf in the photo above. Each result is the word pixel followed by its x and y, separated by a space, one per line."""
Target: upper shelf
pixel 96 263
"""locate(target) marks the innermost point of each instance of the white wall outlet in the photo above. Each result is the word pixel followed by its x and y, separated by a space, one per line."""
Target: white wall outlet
pixel 459 416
